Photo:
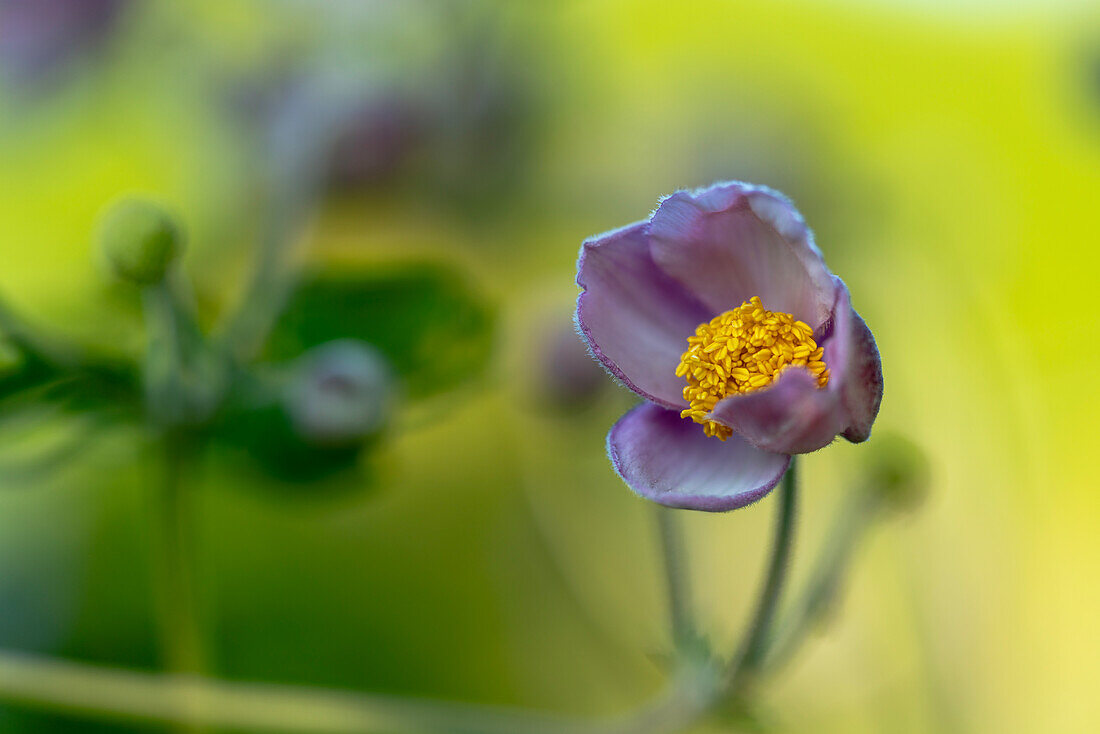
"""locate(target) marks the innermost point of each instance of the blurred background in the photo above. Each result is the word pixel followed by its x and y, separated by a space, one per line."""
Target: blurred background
pixel 411 180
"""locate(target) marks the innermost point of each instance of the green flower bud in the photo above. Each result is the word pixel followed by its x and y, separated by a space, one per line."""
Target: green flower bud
pixel 140 240
pixel 898 471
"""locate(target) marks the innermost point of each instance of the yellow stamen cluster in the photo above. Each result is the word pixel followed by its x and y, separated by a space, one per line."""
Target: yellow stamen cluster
pixel 741 350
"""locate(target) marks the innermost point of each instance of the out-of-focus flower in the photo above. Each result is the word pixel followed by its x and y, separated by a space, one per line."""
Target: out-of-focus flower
pixel 140 240
pixel 402 98
pixel 340 393
pixel 40 36
pixel 777 361
pixel 378 139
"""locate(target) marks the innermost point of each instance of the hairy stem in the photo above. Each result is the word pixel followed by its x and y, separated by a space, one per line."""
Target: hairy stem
pixel 678 585
pixel 755 644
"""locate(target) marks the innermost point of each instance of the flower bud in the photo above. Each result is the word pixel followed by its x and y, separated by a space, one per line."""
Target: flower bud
pixel 140 240
pixel 898 471
pixel 570 377
pixel 375 141
pixel 339 393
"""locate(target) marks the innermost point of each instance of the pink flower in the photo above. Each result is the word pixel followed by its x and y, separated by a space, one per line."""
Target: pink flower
pixel 778 362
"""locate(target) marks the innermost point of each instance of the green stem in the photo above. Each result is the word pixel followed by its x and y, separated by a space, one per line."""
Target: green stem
pixel 173 341
pixel 848 530
pixel 755 644
pixel 163 355
pixel 115 695
pixel 295 184
pixel 266 293
pixel 181 640
pixel 678 583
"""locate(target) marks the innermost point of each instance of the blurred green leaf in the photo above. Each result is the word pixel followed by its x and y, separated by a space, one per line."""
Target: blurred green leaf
pixel 24 374
pixel 35 366
pixel 430 324
pixel 266 434
pixel 47 418
pixel 83 389
pixel 256 421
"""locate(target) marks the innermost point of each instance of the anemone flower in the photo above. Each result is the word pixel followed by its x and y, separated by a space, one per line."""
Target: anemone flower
pixel 719 311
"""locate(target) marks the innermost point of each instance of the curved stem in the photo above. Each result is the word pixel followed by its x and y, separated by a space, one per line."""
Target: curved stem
pixel 112 694
pixel 678 583
pixel 755 645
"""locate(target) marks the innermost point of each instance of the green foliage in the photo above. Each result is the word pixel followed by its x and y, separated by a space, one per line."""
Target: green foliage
pixel 429 325
pixel 433 328
pixel 85 388
pixel 266 432
pixel 25 372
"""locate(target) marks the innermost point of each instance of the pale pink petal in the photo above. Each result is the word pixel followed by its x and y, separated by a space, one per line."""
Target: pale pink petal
pixel 732 241
pixel 669 460
pixel 862 387
pixel 635 318
pixel 790 416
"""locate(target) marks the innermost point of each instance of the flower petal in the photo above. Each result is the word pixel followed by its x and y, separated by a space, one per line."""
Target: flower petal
pixel 790 416
pixel 671 461
pixel 732 241
pixel 862 387
pixel 793 415
pixel 635 318
pixel 853 361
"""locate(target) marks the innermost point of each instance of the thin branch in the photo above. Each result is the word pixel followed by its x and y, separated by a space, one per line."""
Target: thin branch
pixel 117 695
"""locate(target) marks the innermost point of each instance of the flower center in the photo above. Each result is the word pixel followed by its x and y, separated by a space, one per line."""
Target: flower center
pixel 742 350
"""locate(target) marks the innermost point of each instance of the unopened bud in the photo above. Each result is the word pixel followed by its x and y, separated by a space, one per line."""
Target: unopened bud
pixel 340 393
pixel 140 240
pixel 898 471
pixel 570 376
